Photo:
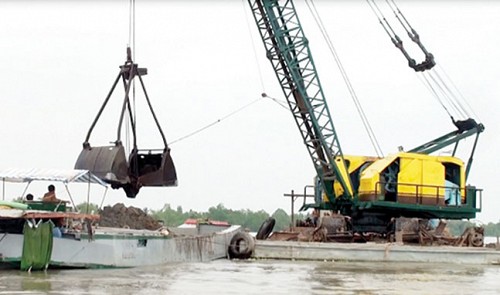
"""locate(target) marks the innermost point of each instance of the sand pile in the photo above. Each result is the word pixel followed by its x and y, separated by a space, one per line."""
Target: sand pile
pixel 127 217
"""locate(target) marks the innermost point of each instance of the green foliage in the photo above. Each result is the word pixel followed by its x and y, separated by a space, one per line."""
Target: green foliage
pixel 87 208
pixel 457 227
pixel 492 229
pixel 246 218
pixel 283 220
pixel 169 216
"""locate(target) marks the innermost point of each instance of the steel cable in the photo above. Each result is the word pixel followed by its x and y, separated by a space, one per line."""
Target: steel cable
pixel 347 81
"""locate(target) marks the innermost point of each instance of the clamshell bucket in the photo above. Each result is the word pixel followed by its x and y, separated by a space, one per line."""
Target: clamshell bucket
pixel 153 169
pixel 144 167
pixel 106 162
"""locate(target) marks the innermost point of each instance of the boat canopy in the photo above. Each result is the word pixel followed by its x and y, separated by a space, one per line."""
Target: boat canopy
pixel 58 175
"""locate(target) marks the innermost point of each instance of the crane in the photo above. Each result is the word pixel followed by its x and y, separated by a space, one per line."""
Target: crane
pixel 372 191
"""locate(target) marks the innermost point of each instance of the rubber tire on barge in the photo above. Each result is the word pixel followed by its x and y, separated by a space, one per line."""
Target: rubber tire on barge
pixel 265 229
pixel 241 246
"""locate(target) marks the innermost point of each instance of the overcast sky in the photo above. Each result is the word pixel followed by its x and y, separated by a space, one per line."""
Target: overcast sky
pixel 206 60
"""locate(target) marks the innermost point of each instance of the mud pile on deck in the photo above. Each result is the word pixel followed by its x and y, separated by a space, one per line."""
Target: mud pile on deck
pixel 127 217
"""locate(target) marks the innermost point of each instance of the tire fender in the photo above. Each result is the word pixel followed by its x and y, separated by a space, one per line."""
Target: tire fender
pixel 265 229
pixel 241 246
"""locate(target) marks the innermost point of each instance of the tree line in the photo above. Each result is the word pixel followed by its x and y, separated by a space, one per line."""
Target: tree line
pixel 251 220
pixel 254 219
pixel 457 227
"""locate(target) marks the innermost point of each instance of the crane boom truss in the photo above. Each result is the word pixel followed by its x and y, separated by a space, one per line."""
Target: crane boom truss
pixel 288 51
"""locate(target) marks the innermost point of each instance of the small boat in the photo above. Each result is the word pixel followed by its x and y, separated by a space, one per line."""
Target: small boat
pixel 36 235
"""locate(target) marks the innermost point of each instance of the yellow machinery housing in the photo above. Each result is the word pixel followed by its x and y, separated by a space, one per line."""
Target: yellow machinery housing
pixel 411 178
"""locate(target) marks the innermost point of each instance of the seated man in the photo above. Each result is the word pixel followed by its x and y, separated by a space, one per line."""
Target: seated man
pixel 50 196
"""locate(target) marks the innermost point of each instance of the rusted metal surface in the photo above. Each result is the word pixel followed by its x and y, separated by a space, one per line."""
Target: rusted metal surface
pixel 410 231
pixel 286 235
pixel 418 231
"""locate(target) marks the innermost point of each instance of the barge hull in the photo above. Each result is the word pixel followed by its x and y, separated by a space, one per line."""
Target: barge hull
pixel 371 252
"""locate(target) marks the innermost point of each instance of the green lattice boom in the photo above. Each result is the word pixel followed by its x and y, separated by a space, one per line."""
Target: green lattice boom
pixel 288 50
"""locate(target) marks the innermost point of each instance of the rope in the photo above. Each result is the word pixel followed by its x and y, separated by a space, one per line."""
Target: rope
pixel 218 120
pixel 364 119
pixel 263 95
pixel 246 105
pixel 281 103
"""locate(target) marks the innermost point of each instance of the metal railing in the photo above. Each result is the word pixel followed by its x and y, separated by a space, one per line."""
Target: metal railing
pixel 434 191
pixel 293 197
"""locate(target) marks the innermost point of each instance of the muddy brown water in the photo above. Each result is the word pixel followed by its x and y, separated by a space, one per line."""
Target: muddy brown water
pixel 261 277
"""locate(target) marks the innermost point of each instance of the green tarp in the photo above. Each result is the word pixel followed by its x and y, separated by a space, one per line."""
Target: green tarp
pixel 37 246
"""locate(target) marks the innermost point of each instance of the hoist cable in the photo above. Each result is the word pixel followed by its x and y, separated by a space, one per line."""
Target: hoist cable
pixel 449 99
pixel 361 113
pixel 433 91
pixel 130 40
pixel 444 95
pixel 434 81
pixel 406 23
pixel 364 119
pixel 448 94
pixel 131 121
pixel 133 58
pixel 429 61
pixel 253 45
pixel 134 111
pixel 462 108
pixel 459 92
pixel 379 19
pixel 130 23
pixel 378 12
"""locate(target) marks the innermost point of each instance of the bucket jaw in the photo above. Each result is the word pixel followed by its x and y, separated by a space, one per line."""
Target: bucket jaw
pixel 144 167
pixel 106 162
pixel 153 169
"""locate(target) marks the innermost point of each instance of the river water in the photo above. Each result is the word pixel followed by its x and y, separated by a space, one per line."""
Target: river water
pixel 261 277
